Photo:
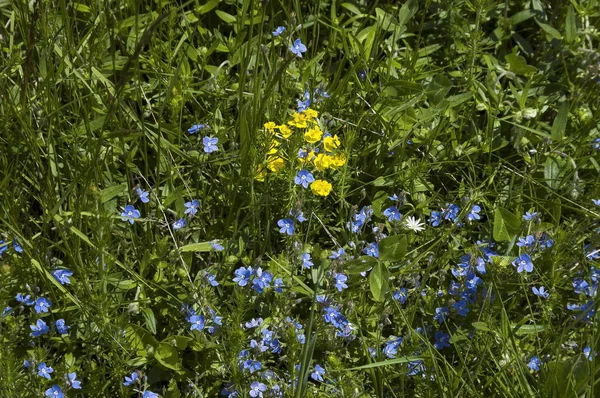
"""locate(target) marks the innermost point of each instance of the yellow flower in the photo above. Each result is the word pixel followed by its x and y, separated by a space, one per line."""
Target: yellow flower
pixel 270 126
pixel 320 187
pixel 331 142
pixel 273 147
pixel 260 173
pixel 299 121
pixel 337 160
pixel 313 135
pixel 311 113
pixel 322 161
pixel 275 163
pixel 285 131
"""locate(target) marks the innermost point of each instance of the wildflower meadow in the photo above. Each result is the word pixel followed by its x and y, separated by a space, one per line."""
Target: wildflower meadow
pixel 293 198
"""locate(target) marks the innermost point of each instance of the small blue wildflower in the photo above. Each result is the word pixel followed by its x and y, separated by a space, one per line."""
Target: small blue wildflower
pixel 589 354
pixel 372 250
pixel 210 144
pixel 257 388
pixel 340 282
pixel 44 371
pixel 286 226
pixel 132 379
pixel 42 304
pixel 534 363
pixel 253 323
pixel 279 30
pixel 192 207
pixel 435 219
pixel 474 213
pixel 393 198
pixel 546 241
pixel 150 394
pixel 130 213
pixel 76 384
pixel 27 300
pixel 451 212
pixel 216 246
pixel 17 246
pixel 580 285
pixel 461 307
pixel 527 241
pixel 26 364
pixel 392 213
pixel 442 340
pixel 7 310
pixel 531 216
pixel 337 254
pixel 304 178
pixel 61 327
pixel 596 202
pixel 197 322
pixel 211 278
pixel 596 143
pixel 143 195
pixel 55 392
pixel 297 48
pixel 307 261
pixel 362 75
pixel 318 374
pixel 441 313
pixel 298 215
pixel 62 275
pixel 261 280
pixel 39 328
pixel 196 127
pixel 400 295
pixel 3 246
pixel 391 347
pixel 278 285
pixel 179 224
pixel 251 365
pixel 243 275
pixel 523 263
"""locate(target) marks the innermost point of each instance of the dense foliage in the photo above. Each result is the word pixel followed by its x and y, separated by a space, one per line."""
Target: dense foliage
pixel 299 198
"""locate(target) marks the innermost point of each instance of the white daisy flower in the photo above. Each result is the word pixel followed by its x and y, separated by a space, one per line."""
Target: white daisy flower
pixel 415 224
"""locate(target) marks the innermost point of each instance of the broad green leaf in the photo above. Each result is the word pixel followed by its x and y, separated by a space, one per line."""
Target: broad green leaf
pixel 555 34
pixel 150 319
pixel 109 193
pixel 201 247
pixel 438 88
pixel 560 122
pixel 407 11
pixel 554 170
pixel 168 356
pixel 521 330
pixel 481 326
pixel 378 281
pixel 506 225
pixel 359 265
pixel 518 65
pixel 228 18
pixel 570 25
pixel 204 8
pixel 392 248
pixel 352 8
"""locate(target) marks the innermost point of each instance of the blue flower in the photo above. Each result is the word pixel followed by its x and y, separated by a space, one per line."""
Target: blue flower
pixel 150 394
pixel 391 347
pixel 25 300
pixel 474 213
pixel 304 178
pixel 26 364
pixel 541 292
pixel 461 307
pixel 279 30
pixel 596 143
pixel 337 254
pixel 306 261
pixel 530 216
pixel 286 226
pixel 197 322
pixel 441 313
pixel 210 144
pixel 61 327
pixel 340 282
pixel 3 246
pixel 42 304
pixel 435 218
pixel 392 213
pixel 297 48
pixel 261 280
pixel 179 224
pixel 523 263
pixel 596 202
pixel 217 246
pixel 257 388
pixel 251 365
pixel 212 279
pixel 44 371
pixel 527 241
pixel 17 246
pixel 393 198
pixel 253 323
pixel 192 207
pixel 546 241
pixel 55 392
pixel 362 75
pixel 580 285
pixel 298 214
pixel 130 213
pixel 589 354
pixel 400 295
pixel 372 250
pixel 243 275
pixel 130 380
pixel 6 310
pixel 318 374
pixel 442 340
pixel 534 363
pixel 451 213
pixel 143 195
pixel 76 384
pixel 278 285
pixel 62 275
pixel 39 328
pixel 196 127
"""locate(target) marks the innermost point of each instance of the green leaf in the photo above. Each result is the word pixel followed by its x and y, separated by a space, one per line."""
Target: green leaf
pixel 570 25
pixel 150 319
pixel 392 248
pixel 228 18
pixel 518 65
pixel 555 34
pixel 168 356
pixel 352 8
pixel 438 88
pixel 554 170
pixel 360 264
pixel 108 193
pixel 378 281
pixel 387 363
pixel 521 330
pixel 407 11
pixel 481 326
pixel 506 225
pixel 560 122
pixel 201 247
pixel 204 8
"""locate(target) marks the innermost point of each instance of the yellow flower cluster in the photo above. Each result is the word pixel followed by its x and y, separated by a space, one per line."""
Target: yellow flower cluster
pixel 315 148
